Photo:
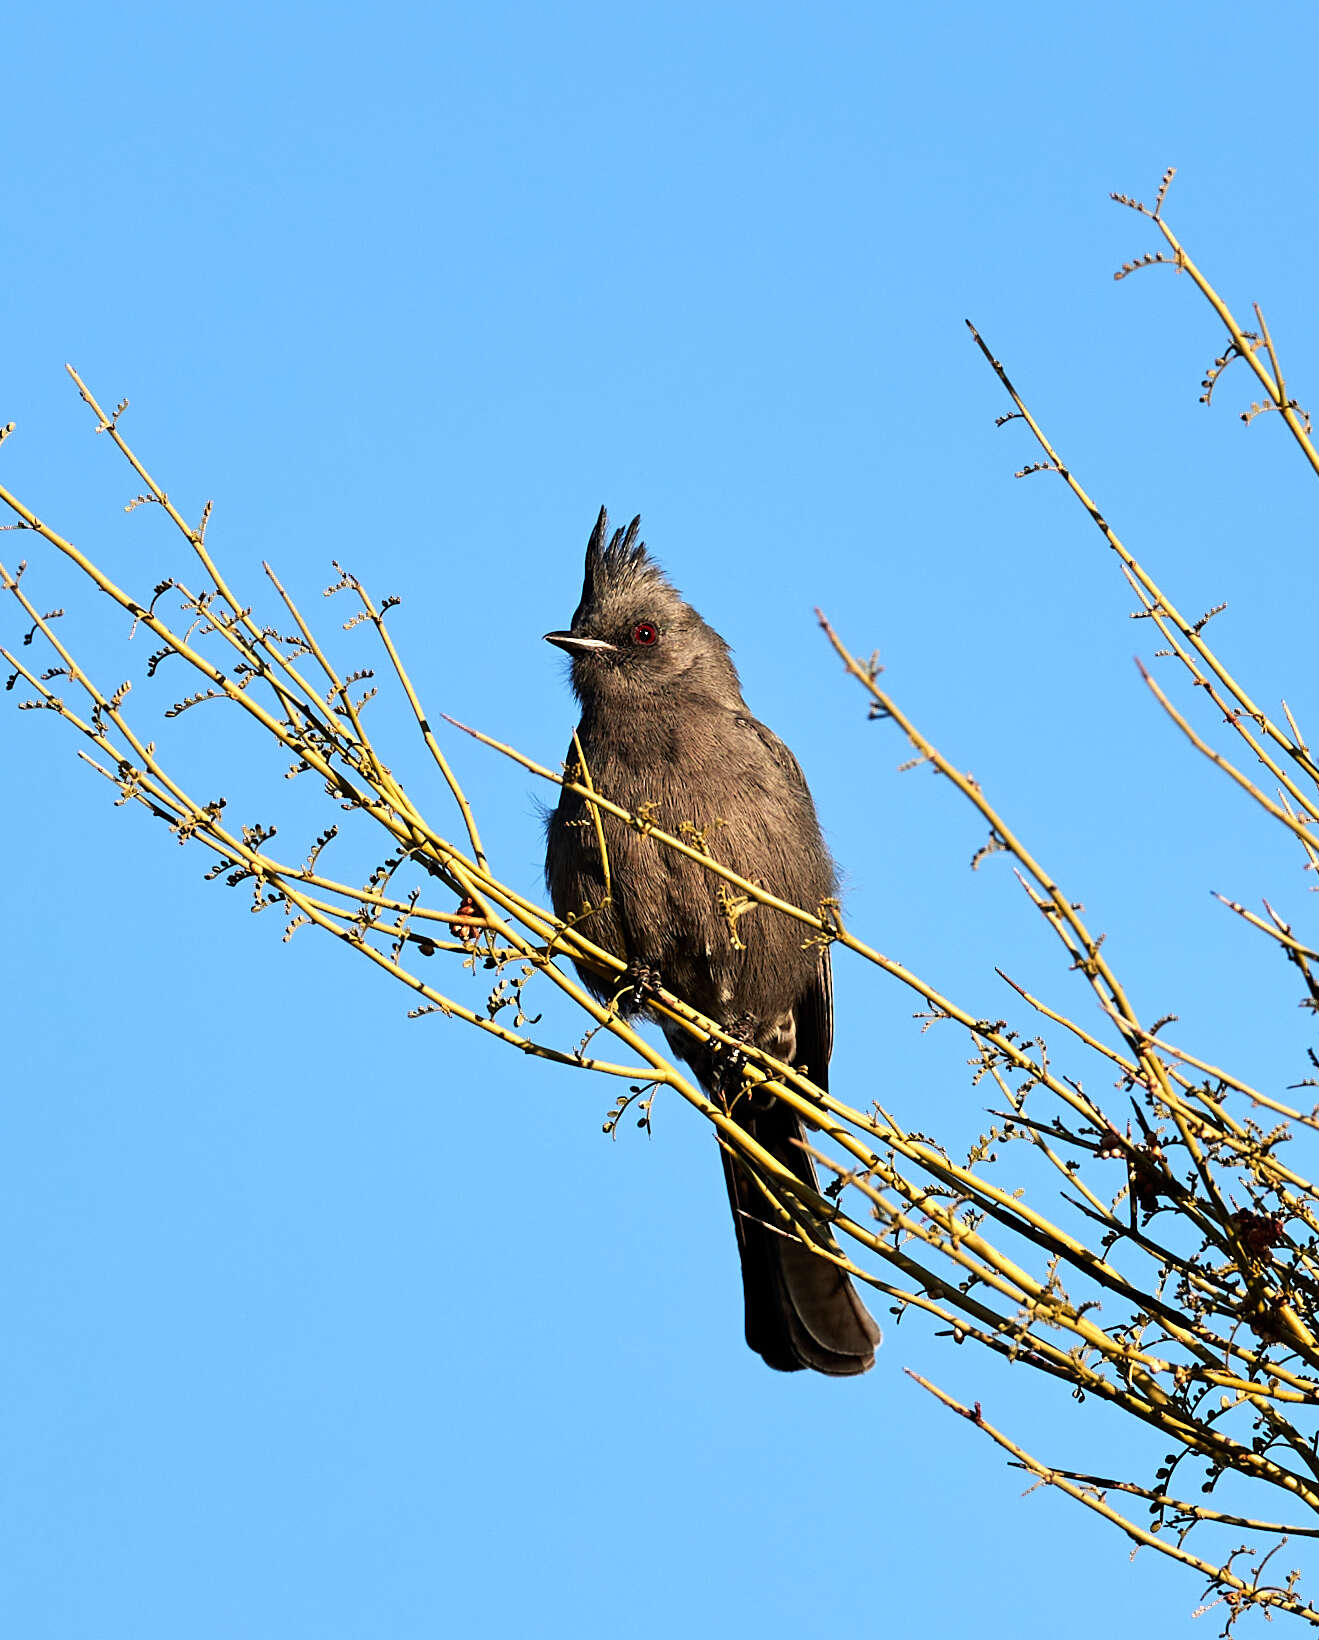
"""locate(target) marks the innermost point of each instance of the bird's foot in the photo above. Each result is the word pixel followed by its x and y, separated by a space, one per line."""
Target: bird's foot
pixel 730 1057
pixel 639 981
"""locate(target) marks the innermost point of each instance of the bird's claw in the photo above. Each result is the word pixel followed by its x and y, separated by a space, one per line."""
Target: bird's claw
pixel 642 979
pixel 730 1057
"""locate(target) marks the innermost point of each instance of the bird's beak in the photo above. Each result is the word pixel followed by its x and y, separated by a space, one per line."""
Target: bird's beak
pixel 571 641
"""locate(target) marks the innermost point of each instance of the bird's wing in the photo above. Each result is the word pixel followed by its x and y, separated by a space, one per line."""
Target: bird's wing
pixel 815 1024
pixel 815 1011
pixel 776 749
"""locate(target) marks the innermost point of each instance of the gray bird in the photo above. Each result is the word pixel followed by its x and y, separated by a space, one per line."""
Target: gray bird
pixel 664 724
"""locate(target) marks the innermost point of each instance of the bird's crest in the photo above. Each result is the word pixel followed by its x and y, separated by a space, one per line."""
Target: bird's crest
pixel 624 559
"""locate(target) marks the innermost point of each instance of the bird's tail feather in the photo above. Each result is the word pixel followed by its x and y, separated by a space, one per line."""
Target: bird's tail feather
pixel 801 1309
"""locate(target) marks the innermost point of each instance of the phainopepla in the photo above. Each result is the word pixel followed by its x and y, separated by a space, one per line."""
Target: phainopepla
pixel 664 724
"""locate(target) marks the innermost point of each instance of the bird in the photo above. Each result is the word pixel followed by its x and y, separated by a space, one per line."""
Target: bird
pixel 664 729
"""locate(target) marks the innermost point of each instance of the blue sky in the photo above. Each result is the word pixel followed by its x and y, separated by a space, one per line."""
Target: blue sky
pixel 324 1323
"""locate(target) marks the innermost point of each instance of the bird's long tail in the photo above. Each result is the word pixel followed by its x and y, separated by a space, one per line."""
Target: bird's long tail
pixel 801 1310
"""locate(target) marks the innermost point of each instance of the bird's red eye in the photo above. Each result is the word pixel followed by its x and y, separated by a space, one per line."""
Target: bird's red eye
pixel 644 633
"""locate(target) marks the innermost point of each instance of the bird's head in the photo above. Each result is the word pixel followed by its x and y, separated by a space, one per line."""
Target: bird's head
pixel 633 636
